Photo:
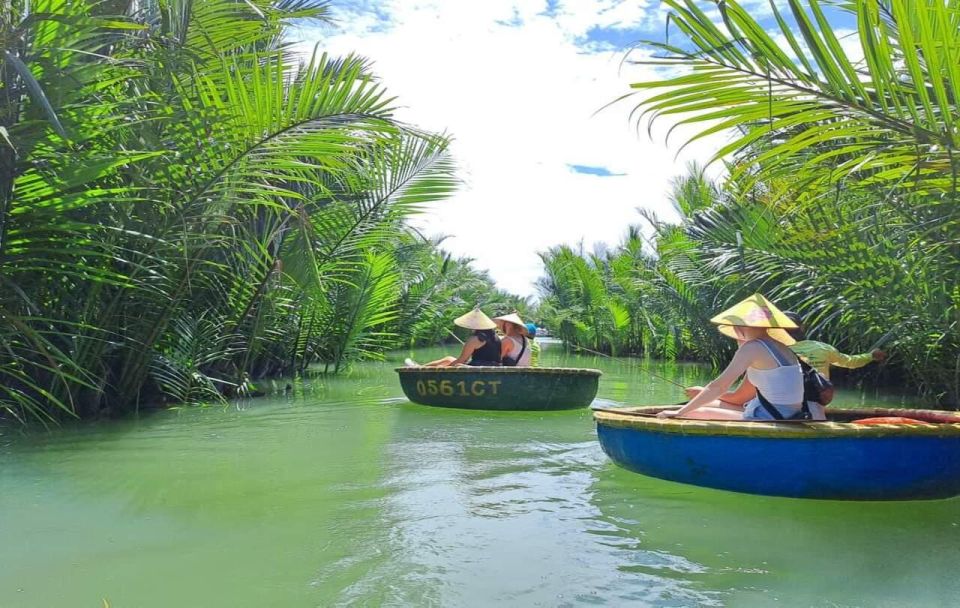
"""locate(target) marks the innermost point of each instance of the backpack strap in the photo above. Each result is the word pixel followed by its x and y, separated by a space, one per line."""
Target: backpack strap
pixel 803 414
pixel 806 368
pixel 510 361
pixel 766 405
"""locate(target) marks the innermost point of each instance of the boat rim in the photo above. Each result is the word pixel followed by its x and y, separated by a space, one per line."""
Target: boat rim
pixel 567 371
pixel 938 424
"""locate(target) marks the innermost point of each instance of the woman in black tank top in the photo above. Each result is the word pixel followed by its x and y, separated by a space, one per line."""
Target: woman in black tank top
pixel 489 353
pixel 481 348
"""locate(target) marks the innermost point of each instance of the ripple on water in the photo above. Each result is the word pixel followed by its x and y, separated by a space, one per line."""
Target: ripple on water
pixel 466 513
pixel 340 492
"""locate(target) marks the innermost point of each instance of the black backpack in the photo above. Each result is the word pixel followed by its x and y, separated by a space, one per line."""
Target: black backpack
pixel 816 387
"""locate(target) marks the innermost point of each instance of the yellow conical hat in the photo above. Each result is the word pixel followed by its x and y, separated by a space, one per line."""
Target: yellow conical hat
pixel 756 311
pixel 475 319
pixel 515 319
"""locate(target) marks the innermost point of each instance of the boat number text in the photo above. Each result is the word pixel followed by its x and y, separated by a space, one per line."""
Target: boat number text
pixel 448 388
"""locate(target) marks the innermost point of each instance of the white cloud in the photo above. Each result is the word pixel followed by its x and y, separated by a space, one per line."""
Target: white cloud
pixel 518 90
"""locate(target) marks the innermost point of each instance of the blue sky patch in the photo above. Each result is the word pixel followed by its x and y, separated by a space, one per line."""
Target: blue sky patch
pixel 551 10
pixel 616 37
pixel 623 36
pixel 598 171
pixel 349 10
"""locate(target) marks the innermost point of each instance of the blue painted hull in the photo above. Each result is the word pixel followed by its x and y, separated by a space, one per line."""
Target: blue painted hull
pixel 875 466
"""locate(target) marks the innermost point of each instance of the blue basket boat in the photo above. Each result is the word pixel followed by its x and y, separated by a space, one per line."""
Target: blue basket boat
pixel 837 459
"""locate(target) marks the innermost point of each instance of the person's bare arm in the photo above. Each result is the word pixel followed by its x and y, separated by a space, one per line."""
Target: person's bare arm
pixel 506 347
pixel 737 367
pixel 740 395
pixel 743 393
pixel 472 344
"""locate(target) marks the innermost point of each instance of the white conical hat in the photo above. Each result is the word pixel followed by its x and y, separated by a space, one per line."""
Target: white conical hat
pixel 475 319
pixel 756 311
pixel 515 319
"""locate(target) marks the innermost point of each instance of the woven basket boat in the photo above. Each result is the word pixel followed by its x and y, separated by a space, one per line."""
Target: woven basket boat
pixel 500 388
pixel 836 459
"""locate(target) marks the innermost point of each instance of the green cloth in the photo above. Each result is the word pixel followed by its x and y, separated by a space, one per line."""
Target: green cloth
pixel 534 352
pixel 821 356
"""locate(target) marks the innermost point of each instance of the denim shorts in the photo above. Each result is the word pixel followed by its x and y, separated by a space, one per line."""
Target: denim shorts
pixel 754 410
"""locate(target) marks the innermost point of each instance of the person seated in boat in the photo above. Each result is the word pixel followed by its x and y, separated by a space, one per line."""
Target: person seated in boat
pixel 773 386
pixel 514 346
pixel 482 348
pixel 734 399
pixel 534 345
pixel 820 356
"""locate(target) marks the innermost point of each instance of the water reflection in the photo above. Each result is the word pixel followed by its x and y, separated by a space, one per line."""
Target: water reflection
pixel 498 508
pixel 812 553
pixel 337 491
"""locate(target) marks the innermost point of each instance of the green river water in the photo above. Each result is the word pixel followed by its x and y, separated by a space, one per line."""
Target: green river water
pixel 339 492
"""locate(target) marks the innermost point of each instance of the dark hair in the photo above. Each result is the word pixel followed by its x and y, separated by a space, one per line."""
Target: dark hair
pixel 796 334
pixel 487 335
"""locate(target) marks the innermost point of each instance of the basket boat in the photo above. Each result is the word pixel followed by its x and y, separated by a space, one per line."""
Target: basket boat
pixel 836 459
pixel 500 388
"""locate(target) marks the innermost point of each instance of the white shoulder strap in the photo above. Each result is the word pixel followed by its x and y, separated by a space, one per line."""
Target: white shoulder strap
pixel 779 358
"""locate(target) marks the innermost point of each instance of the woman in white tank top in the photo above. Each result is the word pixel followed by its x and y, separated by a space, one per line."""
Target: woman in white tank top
pixel 515 348
pixel 770 367
pixel 780 386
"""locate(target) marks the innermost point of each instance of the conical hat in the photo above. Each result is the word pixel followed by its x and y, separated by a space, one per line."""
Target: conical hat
pixel 475 319
pixel 756 311
pixel 515 319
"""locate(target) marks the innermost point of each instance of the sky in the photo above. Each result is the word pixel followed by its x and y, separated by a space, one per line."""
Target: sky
pixel 524 88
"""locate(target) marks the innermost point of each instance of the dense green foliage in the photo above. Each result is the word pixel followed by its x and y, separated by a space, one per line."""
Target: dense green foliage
pixel 841 200
pixel 438 288
pixel 630 299
pixel 187 205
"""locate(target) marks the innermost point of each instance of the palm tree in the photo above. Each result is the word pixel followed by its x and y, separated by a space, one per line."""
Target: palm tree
pixel 842 194
pixel 180 194
pixel 807 109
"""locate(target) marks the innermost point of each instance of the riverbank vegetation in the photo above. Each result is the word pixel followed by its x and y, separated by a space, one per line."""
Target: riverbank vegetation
pixel 439 287
pixel 840 199
pixel 187 204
